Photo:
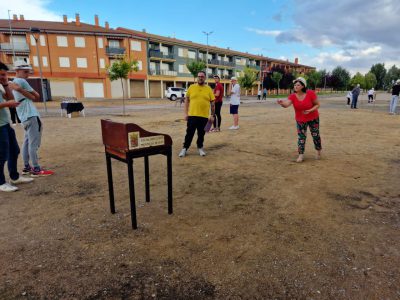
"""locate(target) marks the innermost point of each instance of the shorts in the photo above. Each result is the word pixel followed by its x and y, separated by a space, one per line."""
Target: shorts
pixel 234 109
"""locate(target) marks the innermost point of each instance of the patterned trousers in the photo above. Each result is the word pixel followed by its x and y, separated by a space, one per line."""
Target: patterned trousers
pixel 302 134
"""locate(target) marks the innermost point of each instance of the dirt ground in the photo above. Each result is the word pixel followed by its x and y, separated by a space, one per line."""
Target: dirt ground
pixel 248 222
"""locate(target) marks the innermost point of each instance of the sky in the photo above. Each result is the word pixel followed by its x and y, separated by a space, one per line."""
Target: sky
pixel 354 34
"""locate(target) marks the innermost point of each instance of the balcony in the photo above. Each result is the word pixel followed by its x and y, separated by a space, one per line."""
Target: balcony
pixel 114 51
pixel 18 47
pixel 160 55
pixel 163 72
pixel 253 67
pixel 218 62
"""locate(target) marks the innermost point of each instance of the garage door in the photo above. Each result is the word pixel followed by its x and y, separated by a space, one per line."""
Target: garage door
pixel 93 90
pixel 155 89
pixel 137 89
pixel 62 88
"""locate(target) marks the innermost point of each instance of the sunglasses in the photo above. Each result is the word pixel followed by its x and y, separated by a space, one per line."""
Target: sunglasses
pixel 201 76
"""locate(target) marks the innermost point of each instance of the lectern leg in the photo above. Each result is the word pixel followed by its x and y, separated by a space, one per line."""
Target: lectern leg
pixel 169 170
pixel 132 193
pixel 146 176
pixel 110 183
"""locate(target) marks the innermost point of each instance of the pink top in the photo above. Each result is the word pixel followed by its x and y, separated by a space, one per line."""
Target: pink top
pixel 301 105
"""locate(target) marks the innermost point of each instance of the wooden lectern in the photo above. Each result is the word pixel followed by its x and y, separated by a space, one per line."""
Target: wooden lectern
pixel 125 142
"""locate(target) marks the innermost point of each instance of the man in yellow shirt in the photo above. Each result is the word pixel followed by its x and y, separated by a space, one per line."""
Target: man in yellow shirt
pixel 199 98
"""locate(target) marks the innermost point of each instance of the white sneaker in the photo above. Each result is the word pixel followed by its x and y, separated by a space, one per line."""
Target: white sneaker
pixel 21 179
pixel 6 187
pixel 234 127
pixel 183 152
pixel 202 152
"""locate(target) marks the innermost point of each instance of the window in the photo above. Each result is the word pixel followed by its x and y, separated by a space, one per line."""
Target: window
pixel 164 50
pixel 81 62
pixel 79 42
pixel 62 41
pixel 180 52
pixel 64 62
pixel 24 58
pixel 42 39
pixel 192 54
pixel 136 46
pixel 140 65
pixel 44 61
pixel 100 42
pixel 35 61
pixel 33 42
pixel 102 63
pixel 183 69
pixel 113 43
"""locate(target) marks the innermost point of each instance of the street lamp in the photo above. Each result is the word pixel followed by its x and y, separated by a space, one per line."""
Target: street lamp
pixel 35 33
pixel 207 34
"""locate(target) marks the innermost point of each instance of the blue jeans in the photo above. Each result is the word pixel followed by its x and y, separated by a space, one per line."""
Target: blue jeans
pixel 393 104
pixel 354 102
pixel 9 151
pixel 32 139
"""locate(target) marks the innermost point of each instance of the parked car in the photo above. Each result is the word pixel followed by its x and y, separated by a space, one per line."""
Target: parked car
pixel 172 93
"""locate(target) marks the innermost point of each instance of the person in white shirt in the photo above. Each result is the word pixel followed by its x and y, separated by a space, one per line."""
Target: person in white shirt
pixel 234 92
pixel 259 94
pixel 349 97
pixel 371 93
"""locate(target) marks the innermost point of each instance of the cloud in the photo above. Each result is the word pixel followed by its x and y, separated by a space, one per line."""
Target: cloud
pixel 32 10
pixel 265 32
pixel 277 17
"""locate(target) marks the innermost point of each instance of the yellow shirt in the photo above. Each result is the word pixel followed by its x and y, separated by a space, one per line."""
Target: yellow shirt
pixel 200 98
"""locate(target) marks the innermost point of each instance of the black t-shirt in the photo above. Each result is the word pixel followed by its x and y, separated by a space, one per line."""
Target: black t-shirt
pixel 396 90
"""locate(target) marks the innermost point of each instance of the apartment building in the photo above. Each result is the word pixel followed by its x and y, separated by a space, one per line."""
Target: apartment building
pixel 74 55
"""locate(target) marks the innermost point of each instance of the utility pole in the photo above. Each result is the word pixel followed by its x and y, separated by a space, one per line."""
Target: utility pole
pixel 207 34
pixel 35 32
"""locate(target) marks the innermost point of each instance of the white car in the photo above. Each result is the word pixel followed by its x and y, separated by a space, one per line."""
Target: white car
pixel 172 93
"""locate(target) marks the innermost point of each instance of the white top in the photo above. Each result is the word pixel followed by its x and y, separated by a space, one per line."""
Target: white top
pixel 349 94
pixel 371 92
pixel 259 92
pixel 235 95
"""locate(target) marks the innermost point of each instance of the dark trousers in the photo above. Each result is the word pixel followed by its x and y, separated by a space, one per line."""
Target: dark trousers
pixel 193 124
pixel 264 96
pixel 354 102
pixel 9 151
pixel 370 98
pixel 348 101
pixel 14 115
pixel 218 119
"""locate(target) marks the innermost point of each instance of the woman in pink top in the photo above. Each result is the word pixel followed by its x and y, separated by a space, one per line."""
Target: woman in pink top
pixel 306 104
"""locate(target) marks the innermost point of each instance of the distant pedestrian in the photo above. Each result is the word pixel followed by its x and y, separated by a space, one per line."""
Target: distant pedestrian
pixel 234 92
pixel 395 97
pixel 371 94
pixel 349 96
pixel 264 97
pixel 259 94
pixel 306 104
pixel 355 92
pixel 219 94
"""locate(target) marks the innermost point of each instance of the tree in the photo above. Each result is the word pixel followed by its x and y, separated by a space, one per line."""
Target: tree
pixel 248 79
pixel 370 80
pixel 340 78
pixel 120 69
pixel 313 78
pixel 195 66
pixel 391 76
pixel 323 75
pixel 358 79
pixel 380 72
pixel 276 77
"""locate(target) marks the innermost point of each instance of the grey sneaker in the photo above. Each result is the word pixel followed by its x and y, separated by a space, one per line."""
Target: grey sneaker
pixel 183 152
pixel 6 187
pixel 202 152
pixel 21 179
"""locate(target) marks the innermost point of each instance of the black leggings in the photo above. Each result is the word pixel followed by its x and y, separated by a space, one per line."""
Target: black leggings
pixel 14 116
pixel 218 106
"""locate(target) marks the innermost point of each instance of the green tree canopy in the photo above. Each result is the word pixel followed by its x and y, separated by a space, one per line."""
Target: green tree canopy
pixel 342 78
pixel 276 77
pixel 370 80
pixel 120 69
pixel 358 79
pixel 248 78
pixel 195 66
pixel 391 76
pixel 380 72
pixel 313 78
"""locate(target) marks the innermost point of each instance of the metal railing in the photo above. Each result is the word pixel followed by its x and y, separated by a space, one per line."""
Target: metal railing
pixel 115 51
pixel 17 47
pixel 163 72
pixel 221 62
pixel 159 54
